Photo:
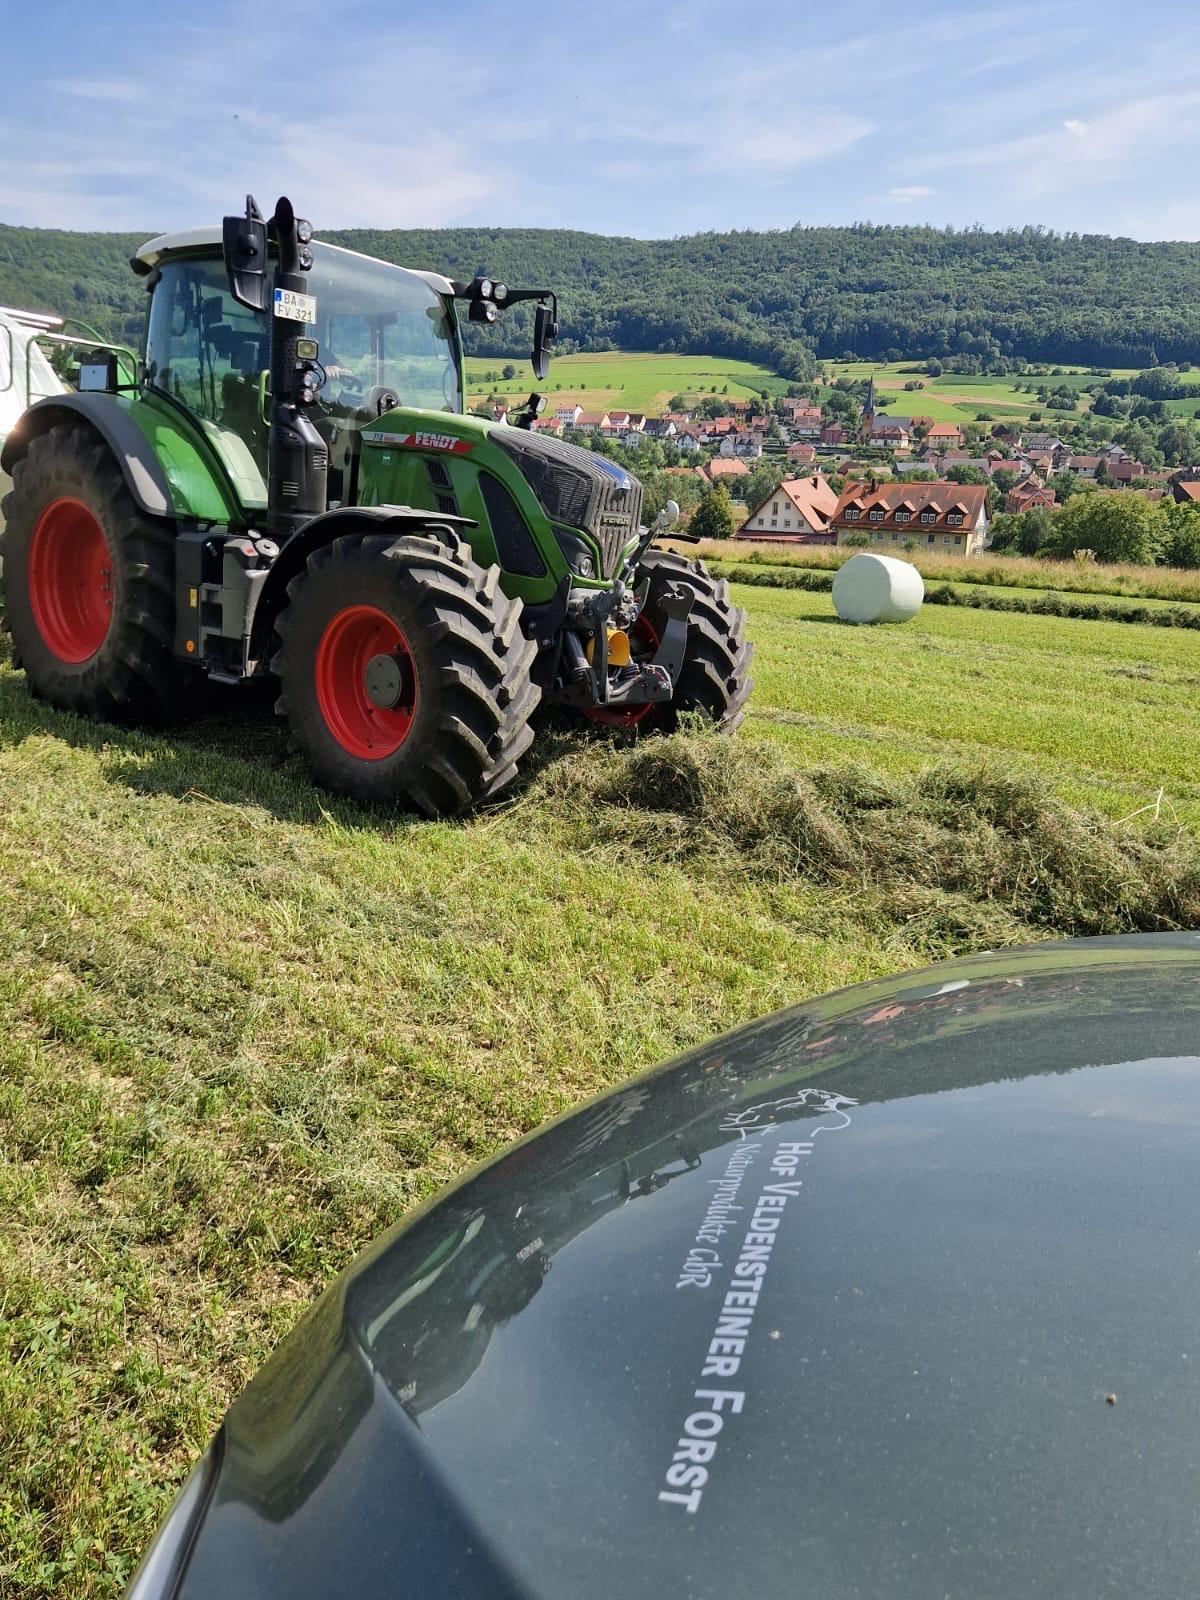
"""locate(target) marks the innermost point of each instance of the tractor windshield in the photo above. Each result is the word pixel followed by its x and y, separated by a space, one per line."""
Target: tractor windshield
pixel 380 327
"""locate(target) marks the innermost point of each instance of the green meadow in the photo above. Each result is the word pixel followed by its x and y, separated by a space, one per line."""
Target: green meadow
pixel 600 380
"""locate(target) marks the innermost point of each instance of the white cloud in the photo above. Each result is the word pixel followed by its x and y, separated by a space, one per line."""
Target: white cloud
pixel 115 90
pixel 909 191
pixel 1076 126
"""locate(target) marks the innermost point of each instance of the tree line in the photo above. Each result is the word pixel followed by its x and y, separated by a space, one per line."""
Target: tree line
pixel 967 296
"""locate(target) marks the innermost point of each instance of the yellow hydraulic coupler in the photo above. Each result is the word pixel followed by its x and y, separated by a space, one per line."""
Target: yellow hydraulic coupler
pixel 618 648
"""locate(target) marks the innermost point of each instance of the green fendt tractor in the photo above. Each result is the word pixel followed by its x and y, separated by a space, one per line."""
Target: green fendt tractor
pixel 290 486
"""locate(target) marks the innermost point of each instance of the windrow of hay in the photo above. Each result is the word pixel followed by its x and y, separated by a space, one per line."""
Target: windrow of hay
pixel 956 855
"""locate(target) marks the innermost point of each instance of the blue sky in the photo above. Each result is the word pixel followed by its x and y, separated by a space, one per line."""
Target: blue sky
pixel 643 117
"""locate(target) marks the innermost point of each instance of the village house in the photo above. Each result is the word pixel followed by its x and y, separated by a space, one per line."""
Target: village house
pixel 1047 446
pixel 1083 466
pixel 944 436
pixel 949 517
pixel 890 434
pixel 660 428
pixel 809 425
pixel 746 442
pixel 835 433
pixel 797 512
pixel 796 411
pixel 551 425
pixel 593 422
pixel 1024 496
pixel 569 414
pixel 724 467
pixel 801 453
pixel 1125 471
pixel 1186 492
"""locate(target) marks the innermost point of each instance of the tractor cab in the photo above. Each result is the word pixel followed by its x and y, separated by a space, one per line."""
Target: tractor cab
pixel 383 336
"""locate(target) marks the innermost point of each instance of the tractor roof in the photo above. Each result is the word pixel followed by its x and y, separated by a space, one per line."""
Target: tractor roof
pixel 152 252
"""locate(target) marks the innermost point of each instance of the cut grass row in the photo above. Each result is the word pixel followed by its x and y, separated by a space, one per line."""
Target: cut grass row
pixel 1007 572
pixel 243 1026
pixel 1154 613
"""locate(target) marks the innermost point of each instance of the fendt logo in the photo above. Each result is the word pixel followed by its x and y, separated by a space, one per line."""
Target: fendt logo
pixel 422 441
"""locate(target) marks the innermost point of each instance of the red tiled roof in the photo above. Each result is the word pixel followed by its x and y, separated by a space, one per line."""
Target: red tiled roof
pixel 941 498
pixel 726 467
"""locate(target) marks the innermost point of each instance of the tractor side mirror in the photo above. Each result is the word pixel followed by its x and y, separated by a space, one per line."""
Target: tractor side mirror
pixel 244 240
pixel 545 330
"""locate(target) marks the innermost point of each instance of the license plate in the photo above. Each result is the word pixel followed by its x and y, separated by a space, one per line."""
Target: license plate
pixel 295 307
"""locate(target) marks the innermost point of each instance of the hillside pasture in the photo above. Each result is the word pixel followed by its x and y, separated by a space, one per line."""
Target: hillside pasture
pixel 598 381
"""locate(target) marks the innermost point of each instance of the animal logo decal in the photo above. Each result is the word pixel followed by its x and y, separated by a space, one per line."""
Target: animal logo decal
pixel 767 1113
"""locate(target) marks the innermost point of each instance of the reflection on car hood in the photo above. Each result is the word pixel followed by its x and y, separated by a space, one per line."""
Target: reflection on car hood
pixel 893 1294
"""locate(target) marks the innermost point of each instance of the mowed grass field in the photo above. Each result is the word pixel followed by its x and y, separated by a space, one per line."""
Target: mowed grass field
pixel 604 379
pixel 244 1026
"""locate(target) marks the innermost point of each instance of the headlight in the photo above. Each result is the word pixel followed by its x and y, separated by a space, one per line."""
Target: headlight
pixel 162 1566
pixel 581 558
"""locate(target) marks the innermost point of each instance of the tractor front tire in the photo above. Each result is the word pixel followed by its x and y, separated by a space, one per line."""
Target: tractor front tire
pixel 714 679
pixel 405 676
pixel 89 593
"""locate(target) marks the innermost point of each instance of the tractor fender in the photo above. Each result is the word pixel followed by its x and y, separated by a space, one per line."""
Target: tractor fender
pixel 130 448
pixel 324 529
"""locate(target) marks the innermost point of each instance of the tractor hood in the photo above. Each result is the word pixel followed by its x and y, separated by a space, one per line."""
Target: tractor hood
pixel 895 1294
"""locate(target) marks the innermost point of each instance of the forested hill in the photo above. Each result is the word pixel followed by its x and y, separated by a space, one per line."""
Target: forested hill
pixel 870 290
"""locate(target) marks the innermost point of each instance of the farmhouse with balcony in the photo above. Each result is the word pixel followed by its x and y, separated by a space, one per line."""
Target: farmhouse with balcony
pixel 798 512
pixel 949 517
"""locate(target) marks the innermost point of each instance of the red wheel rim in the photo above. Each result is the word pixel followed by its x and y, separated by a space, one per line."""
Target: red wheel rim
pixel 357 639
pixel 70 580
pixel 644 639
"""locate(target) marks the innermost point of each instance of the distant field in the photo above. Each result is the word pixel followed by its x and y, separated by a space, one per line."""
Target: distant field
pixel 643 382
pixel 602 379
pixel 955 397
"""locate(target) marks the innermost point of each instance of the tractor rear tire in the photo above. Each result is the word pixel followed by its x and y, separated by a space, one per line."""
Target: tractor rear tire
pixel 405 676
pixel 714 679
pixel 89 592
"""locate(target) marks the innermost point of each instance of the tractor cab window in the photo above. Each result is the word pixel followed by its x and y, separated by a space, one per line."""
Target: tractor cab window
pixel 381 330
pixel 208 352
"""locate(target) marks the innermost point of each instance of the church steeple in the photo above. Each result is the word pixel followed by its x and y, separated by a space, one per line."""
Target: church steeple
pixel 868 411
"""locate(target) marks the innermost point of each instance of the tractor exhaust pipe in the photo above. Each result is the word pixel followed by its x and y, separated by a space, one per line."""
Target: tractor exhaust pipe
pixel 297 459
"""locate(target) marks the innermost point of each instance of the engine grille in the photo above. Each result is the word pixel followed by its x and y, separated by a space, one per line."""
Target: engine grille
pixel 578 488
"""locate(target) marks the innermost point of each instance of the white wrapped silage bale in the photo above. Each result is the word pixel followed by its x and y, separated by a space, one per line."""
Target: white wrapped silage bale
pixel 871 588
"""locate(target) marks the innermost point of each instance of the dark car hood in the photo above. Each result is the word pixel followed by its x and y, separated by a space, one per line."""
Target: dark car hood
pixel 889 1254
